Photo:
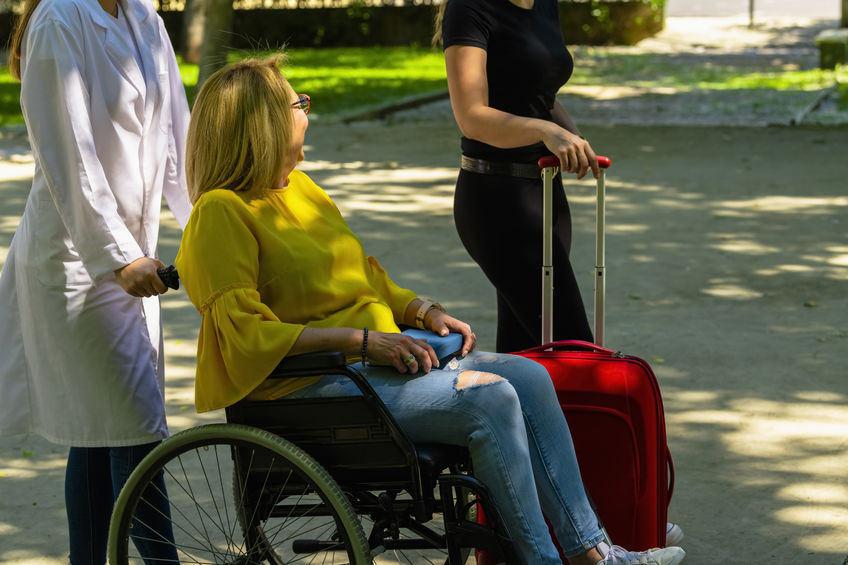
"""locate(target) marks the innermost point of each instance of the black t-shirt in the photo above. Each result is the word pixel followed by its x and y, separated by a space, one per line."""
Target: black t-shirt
pixel 527 62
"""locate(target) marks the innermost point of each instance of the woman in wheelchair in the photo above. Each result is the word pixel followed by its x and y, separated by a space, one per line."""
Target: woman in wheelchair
pixel 275 271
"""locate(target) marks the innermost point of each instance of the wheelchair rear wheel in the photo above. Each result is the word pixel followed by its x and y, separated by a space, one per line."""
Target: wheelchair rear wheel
pixel 281 496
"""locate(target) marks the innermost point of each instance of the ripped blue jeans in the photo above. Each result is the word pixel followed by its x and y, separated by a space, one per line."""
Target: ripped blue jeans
pixel 513 428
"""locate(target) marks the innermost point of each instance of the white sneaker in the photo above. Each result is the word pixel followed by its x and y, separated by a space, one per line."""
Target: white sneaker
pixel 620 556
pixel 673 534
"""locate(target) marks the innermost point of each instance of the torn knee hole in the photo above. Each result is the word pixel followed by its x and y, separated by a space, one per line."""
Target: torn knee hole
pixel 471 378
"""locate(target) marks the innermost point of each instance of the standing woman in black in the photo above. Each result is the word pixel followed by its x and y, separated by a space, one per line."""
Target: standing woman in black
pixel 506 60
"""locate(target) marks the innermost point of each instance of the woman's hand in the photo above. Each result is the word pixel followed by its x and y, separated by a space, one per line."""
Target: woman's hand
pixel 443 324
pixel 575 154
pixel 404 353
pixel 140 278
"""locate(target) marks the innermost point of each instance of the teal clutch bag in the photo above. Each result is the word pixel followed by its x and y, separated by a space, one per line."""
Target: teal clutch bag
pixel 446 347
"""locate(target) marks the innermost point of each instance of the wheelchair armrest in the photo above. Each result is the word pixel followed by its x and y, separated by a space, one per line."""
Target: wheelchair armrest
pixel 308 364
pixel 327 363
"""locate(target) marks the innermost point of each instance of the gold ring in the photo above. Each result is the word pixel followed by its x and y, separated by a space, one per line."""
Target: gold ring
pixel 409 360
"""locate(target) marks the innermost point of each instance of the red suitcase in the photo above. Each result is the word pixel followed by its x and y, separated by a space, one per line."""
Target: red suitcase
pixel 615 414
pixel 613 406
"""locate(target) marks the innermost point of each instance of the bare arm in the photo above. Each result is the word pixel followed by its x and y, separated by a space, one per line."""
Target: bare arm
pixel 382 348
pixel 346 340
pixel 468 86
pixel 563 119
pixel 387 348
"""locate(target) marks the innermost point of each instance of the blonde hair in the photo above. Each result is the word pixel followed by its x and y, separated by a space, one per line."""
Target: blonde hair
pixel 437 23
pixel 241 128
pixel 17 37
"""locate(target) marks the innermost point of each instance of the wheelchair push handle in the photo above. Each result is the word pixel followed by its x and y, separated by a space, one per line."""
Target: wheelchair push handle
pixel 169 276
pixel 553 161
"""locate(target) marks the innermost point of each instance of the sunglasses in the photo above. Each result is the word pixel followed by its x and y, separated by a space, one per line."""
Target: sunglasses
pixel 303 102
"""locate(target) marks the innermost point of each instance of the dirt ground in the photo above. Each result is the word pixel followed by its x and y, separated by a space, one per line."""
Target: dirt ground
pixel 727 270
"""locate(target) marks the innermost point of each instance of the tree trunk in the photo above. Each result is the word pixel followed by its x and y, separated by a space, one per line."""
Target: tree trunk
pixel 194 15
pixel 843 21
pixel 217 30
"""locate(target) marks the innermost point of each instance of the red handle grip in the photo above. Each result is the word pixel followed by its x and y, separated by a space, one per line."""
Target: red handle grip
pixel 553 161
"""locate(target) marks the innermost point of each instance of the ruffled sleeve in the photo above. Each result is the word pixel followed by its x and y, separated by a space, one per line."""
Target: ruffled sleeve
pixel 240 343
pixel 241 340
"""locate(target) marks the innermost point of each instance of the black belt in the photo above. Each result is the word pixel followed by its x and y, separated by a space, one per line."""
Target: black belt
pixel 521 170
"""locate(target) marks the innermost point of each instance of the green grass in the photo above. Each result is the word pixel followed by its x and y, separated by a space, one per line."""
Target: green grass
pixel 342 81
pixel 339 80
pixel 10 95
pixel 686 73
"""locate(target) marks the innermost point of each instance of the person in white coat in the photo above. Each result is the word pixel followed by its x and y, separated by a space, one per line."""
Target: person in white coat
pixel 82 358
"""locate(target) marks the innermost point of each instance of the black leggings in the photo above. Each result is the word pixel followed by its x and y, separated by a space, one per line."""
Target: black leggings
pixel 499 220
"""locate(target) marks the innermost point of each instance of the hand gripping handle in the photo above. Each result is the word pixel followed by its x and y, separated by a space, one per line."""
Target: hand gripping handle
pixel 553 161
pixel 169 276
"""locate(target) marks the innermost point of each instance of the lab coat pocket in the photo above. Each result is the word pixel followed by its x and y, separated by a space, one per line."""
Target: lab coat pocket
pixel 62 273
pixel 61 269
pixel 53 256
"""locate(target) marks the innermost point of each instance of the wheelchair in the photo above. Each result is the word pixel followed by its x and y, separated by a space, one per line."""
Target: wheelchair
pixel 319 480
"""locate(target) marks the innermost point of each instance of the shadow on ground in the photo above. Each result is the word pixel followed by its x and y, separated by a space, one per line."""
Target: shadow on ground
pixel 727 263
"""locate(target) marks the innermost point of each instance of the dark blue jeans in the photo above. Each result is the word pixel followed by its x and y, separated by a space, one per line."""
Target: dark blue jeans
pixel 93 479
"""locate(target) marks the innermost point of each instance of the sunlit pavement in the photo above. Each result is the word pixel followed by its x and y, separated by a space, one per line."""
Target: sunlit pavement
pixel 762 8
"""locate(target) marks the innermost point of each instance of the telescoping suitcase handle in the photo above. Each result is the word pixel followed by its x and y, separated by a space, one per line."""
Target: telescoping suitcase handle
pixel 550 168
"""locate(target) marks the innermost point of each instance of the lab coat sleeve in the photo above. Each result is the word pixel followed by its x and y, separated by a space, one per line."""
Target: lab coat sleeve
pixel 55 102
pixel 174 189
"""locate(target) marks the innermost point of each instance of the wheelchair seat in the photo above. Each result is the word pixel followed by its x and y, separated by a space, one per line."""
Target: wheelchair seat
pixel 344 436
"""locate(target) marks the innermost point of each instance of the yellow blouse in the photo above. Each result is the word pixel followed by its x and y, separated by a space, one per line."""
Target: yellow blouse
pixel 259 270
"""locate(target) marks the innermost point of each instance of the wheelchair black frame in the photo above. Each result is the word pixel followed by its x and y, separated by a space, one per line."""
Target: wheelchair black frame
pixel 459 531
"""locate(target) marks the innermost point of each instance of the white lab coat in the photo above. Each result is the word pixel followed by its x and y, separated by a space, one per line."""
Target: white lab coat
pixel 80 360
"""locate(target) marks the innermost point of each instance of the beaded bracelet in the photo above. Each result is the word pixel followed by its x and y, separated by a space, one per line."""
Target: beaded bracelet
pixel 364 345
